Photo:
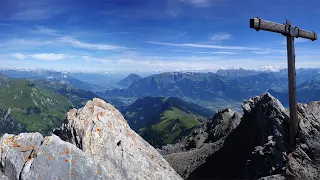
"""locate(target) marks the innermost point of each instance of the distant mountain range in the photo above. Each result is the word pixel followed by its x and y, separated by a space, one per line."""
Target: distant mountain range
pixel 126 82
pixel 225 88
pixel 161 120
pixel 52 76
pixel 306 92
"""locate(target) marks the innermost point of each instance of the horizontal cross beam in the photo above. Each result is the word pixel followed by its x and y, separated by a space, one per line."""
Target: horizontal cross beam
pixel 285 29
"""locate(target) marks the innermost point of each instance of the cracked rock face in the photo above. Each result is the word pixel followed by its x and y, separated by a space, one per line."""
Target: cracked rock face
pixel 102 146
pixel 30 156
pixel 101 132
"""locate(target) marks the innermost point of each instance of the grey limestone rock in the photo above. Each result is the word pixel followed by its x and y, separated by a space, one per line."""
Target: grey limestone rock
pixel 103 134
pixel 99 145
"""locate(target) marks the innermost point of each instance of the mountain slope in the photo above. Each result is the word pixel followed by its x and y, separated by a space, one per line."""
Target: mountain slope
pixel 126 82
pixel 306 92
pixel 40 109
pixel 236 73
pixel 76 96
pixel 206 89
pixel 8 124
pixel 264 81
pixel 162 120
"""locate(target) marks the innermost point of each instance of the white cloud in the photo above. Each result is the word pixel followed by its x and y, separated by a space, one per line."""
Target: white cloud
pixel 79 44
pixel 18 56
pixel 49 56
pixel 261 52
pixel 223 52
pixel 218 52
pixel 91 59
pixel 47 31
pixel 270 68
pixel 221 37
pixel 194 63
pixel 34 14
pixel 207 46
pixel 198 3
pixel 296 40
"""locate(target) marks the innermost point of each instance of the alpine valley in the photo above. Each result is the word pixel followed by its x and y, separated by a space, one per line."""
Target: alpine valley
pixel 162 107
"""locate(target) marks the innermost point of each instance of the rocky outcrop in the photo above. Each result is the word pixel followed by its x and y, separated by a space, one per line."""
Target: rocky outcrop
pixel 257 146
pixel 101 132
pixel 187 155
pixel 98 144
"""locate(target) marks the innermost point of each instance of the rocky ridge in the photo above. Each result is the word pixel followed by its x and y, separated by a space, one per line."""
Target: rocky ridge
pixel 193 150
pixel 98 144
pixel 257 145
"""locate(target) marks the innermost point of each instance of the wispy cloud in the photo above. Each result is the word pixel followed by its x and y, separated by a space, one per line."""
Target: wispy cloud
pixel 218 52
pixel 18 56
pixel 34 14
pixel 4 24
pixel 207 46
pixel 47 31
pixel 261 52
pixel 79 44
pixel 192 63
pixel 296 40
pixel 49 56
pixel 199 3
pixel 221 36
pixel 91 59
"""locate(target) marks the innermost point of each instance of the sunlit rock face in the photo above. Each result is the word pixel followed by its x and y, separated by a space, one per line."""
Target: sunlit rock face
pixel 101 132
pixel 95 142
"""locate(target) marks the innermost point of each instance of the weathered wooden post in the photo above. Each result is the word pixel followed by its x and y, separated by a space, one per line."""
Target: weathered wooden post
pixel 291 32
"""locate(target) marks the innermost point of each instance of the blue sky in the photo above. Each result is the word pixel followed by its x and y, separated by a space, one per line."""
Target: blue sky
pixel 152 35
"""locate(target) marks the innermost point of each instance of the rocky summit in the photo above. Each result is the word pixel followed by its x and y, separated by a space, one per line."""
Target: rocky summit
pixel 255 146
pixel 94 142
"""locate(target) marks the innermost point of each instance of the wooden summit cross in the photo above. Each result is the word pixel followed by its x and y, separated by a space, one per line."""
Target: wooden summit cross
pixel 291 32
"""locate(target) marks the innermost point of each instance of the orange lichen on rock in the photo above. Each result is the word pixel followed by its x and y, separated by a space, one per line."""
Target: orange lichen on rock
pixel 98 172
pixel 51 157
pixel 66 160
pixel 67 151
pixel 73 162
pixel 131 135
pixel 73 175
pixel 98 130
pixel 101 113
pixel 8 140
pixel 15 144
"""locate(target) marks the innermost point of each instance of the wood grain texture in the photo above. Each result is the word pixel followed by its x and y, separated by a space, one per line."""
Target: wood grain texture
pixel 260 24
